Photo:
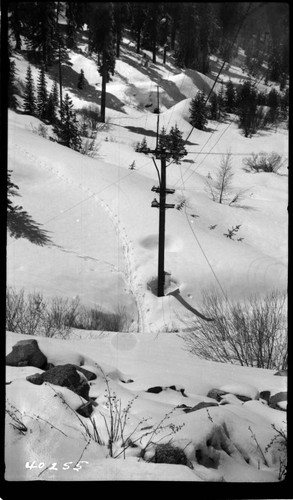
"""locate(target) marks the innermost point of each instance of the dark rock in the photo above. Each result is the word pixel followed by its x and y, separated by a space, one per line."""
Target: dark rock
pixel 242 398
pixel 168 454
pixel 26 353
pixel 48 366
pixel 265 395
pixel 199 406
pixel 277 398
pixel 35 379
pixel 85 410
pixel 174 388
pixel 129 381
pixel 89 375
pixel 282 373
pixel 216 394
pixel 156 389
pixel 65 376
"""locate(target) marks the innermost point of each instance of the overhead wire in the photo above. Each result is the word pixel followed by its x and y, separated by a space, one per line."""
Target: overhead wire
pixel 201 248
pixel 220 70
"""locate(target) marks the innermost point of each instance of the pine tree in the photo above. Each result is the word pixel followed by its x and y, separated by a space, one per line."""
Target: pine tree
pixel 150 30
pixel 41 31
pixel 137 19
pixel 19 223
pixel 144 146
pixel 247 108
pixel 262 99
pixel 175 144
pixel 198 112
pixel 230 97
pixel 187 36
pixel 52 105
pixel 174 12
pixel 76 17
pixel 81 80
pixel 101 40
pixel 15 21
pixel 29 100
pixel 163 138
pixel 274 104
pixel 42 95
pixel 12 102
pixel 55 97
pixel 221 100
pixel 120 17
pixel 214 107
pixel 205 35
pixel 66 129
pixel 284 105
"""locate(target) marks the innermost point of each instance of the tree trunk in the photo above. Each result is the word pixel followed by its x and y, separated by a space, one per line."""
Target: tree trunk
pixel 138 42
pixel 118 37
pixel 154 49
pixel 59 58
pixel 103 96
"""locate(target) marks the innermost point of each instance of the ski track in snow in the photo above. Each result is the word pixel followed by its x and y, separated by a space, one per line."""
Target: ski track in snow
pixel 130 276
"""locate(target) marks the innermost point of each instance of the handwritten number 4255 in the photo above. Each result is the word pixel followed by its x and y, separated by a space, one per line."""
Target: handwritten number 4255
pixel 66 465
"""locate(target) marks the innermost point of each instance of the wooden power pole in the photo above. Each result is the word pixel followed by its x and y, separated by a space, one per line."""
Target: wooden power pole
pixel 162 205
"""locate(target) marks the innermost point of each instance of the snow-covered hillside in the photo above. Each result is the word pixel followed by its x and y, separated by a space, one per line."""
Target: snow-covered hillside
pixel 104 250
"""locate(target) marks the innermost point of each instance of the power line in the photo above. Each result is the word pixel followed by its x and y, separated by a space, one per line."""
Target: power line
pixel 200 246
pixel 220 70
pixel 224 62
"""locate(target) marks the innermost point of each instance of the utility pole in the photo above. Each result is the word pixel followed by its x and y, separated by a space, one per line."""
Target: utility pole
pixel 158 119
pixel 162 205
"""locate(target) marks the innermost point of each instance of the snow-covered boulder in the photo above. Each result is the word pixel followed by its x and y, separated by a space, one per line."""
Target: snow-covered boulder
pixel 26 353
pixel 244 392
pixel 65 376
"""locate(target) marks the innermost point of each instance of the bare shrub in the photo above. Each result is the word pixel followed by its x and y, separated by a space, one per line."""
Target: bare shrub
pixel 95 319
pixel 252 333
pixel 91 115
pixel 220 189
pixel 59 316
pixel 41 130
pixel 32 315
pixel 23 314
pixel 266 162
pixel 281 442
pixel 90 148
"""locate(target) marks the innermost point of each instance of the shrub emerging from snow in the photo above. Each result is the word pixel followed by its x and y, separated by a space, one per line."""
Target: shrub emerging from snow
pixel 266 162
pixel 90 148
pixel 41 130
pixel 142 147
pixel 90 115
pixel 252 333
pixel 220 189
pixel 166 453
pixel 280 440
pixel 31 314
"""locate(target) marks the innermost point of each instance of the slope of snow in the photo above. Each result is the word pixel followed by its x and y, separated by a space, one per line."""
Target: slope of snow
pixel 104 249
